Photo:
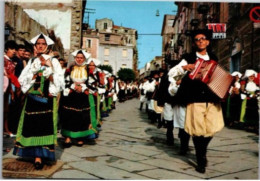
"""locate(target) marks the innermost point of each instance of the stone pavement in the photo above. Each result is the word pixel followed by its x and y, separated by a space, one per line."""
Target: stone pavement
pixel 129 147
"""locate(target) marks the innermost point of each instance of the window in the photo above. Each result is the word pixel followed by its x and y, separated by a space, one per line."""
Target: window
pixel 106 62
pixel 126 31
pixel 88 43
pixel 106 52
pixel 124 53
pixel 107 37
pixel 170 22
pixel 123 66
pixel 105 26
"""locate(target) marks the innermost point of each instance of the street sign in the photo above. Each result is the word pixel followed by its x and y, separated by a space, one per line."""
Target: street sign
pixel 255 14
pixel 219 30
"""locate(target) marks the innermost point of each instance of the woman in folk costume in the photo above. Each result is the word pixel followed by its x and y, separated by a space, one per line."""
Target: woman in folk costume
pixel 234 101
pixel 77 107
pixel 116 90
pixel 121 93
pixel 41 80
pixel 96 83
pixel 249 94
pixel 203 112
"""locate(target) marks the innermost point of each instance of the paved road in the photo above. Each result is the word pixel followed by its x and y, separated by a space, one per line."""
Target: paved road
pixel 129 147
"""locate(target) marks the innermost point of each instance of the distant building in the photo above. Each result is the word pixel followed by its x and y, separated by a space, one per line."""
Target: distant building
pixel 117 45
pixel 90 42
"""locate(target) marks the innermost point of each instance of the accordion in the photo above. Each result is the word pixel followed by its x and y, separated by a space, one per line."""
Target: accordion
pixel 216 78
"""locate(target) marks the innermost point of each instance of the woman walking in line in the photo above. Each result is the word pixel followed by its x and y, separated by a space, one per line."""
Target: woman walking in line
pixel 41 80
pixel 77 107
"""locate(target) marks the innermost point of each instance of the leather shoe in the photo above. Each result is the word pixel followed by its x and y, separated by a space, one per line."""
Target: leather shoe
pixel 200 169
pixel 38 165
pixel 67 145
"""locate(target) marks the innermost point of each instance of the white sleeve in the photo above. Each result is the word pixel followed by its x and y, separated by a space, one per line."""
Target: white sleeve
pixel 173 88
pixel 25 79
pixel 58 83
pixel 177 71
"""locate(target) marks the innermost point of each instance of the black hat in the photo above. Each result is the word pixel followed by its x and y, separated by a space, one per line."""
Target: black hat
pixel 154 72
pixel 206 32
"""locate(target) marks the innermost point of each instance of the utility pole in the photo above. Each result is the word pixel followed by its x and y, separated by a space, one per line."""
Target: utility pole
pixel 89 11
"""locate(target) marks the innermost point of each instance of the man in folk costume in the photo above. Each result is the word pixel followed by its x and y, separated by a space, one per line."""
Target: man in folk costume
pixel 178 110
pixel 41 80
pixel 77 106
pixel 204 114
pixel 153 87
pixel 142 91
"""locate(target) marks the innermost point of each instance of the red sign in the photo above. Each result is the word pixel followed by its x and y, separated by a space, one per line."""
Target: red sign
pixel 255 14
pixel 219 30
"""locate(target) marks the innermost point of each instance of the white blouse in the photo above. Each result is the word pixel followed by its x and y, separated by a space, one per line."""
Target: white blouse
pixel 58 84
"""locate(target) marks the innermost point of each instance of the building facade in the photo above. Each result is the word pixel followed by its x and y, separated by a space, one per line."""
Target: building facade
pixel 117 45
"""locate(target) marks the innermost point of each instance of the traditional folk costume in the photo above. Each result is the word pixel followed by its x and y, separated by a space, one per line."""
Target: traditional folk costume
pixel 150 101
pixel 165 100
pixel 77 109
pixel 142 90
pixel 233 107
pixel 116 91
pixel 11 85
pixel 249 94
pixel 122 90
pixel 37 130
pixel 96 86
pixel 178 110
pixel 203 114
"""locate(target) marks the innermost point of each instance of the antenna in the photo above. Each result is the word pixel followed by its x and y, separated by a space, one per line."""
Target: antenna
pixel 89 11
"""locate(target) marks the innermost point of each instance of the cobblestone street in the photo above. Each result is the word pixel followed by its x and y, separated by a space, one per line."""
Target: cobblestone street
pixel 130 147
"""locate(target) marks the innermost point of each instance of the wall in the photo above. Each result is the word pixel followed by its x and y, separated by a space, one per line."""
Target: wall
pixel 115 57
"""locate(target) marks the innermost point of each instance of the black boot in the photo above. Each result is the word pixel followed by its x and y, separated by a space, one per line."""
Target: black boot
pixel 146 108
pixel 169 133
pixel 184 139
pixel 141 106
pixel 160 123
pixel 200 149
pixel 153 117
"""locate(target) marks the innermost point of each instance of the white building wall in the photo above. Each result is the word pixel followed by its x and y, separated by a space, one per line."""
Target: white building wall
pixel 115 57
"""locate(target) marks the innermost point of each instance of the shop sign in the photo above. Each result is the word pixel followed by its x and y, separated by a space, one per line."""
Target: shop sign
pixel 219 30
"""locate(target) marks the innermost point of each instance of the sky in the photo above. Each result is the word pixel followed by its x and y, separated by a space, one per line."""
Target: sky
pixel 139 15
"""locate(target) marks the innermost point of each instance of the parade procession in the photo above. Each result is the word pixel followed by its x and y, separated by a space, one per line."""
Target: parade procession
pixel 78 105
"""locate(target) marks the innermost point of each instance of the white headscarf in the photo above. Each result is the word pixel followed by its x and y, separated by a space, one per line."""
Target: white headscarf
pixel 95 61
pixel 236 73
pixel 250 72
pixel 72 60
pixel 47 39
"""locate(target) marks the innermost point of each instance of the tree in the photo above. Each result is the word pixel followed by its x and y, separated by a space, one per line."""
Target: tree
pixel 107 68
pixel 126 74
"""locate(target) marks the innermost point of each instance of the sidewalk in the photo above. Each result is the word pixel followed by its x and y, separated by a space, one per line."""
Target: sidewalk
pixel 129 147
